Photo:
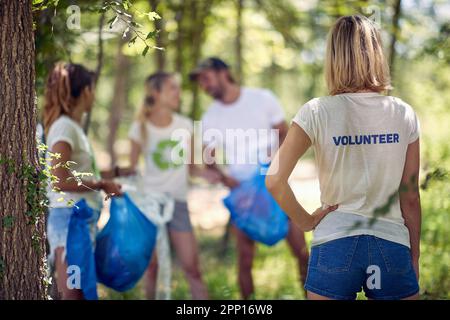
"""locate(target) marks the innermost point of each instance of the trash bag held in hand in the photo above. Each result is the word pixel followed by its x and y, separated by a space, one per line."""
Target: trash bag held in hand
pixel 124 246
pixel 254 211
pixel 79 251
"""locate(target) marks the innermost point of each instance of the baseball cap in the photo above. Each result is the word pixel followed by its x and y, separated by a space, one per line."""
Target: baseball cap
pixel 213 63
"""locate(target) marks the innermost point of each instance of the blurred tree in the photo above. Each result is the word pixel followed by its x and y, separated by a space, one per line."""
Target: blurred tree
pixel 120 97
pixel 98 69
pixel 395 30
pixel 161 38
pixel 191 17
pixel 239 39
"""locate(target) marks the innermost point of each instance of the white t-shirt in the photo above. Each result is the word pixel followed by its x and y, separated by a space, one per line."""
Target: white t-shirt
pixel 165 152
pixel 64 129
pixel 242 129
pixel 360 142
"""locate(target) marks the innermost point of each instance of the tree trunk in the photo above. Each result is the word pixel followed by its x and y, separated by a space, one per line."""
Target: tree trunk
pixel 119 101
pixel 239 36
pixel 22 236
pixel 179 17
pixel 200 12
pixel 99 67
pixel 160 55
pixel 394 35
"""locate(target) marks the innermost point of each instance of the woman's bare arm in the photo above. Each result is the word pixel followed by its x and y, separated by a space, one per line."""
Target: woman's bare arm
pixel 294 146
pixel 410 199
pixel 66 180
pixel 134 154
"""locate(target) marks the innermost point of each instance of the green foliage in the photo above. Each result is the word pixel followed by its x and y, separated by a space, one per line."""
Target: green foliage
pixel 435 242
pixel 55 42
pixel 125 11
pixel 439 46
pixel 36 180
pixel 8 221
pixel 44 4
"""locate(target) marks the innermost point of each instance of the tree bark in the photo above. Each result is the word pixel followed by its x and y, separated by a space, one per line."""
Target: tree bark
pixel 22 244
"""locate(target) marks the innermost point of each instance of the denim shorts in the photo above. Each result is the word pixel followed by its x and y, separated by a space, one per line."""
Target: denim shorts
pixel 340 268
pixel 58 228
pixel 180 221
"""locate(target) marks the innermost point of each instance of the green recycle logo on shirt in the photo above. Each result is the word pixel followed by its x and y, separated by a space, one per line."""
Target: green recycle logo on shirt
pixel 163 148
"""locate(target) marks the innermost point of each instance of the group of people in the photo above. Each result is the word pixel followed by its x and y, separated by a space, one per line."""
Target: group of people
pixel 355 179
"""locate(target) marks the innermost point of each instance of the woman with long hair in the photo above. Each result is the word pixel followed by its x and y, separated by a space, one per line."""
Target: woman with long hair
pixel 69 94
pixel 164 138
pixel 366 144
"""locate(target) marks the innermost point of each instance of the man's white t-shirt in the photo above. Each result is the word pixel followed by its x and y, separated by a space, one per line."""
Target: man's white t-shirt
pixel 166 151
pixel 242 129
pixel 360 142
pixel 64 129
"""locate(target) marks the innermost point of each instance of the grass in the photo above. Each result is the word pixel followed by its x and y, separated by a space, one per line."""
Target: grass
pixel 274 271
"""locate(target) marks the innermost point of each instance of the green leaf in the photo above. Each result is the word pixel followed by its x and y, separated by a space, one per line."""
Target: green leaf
pixel 8 221
pixel 144 52
pixel 152 34
pixel 132 41
pixel 153 16
pixel 112 21
pixel 135 24
pixel 127 4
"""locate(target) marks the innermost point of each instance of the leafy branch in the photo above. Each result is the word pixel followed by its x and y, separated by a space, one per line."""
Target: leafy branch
pixel 122 13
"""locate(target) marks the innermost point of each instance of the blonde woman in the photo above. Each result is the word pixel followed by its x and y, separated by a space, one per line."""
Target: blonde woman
pixel 164 137
pixel 69 95
pixel 367 153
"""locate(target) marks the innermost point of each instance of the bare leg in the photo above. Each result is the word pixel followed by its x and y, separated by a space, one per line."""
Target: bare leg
pixel 150 278
pixel 185 246
pixel 296 240
pixel 61 278
pixel 246 253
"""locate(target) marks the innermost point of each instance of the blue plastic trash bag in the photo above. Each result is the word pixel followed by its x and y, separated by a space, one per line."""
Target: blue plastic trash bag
pixel 79 251
pixel 124 246
pixel 254 211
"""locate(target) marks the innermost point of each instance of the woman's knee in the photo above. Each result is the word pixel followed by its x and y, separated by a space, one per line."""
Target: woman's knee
pixel 191 269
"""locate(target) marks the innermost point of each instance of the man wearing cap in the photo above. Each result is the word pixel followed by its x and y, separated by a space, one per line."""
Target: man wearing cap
pixel 238 112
